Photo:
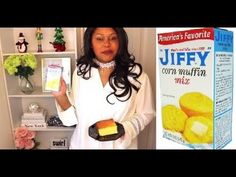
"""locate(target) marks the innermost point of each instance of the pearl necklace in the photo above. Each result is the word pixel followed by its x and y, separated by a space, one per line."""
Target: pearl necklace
pixel 110 64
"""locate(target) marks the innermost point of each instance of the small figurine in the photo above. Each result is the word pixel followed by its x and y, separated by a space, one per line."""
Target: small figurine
pixel 59 43
pixel 39 37
pixel 33 108
pixel 22 44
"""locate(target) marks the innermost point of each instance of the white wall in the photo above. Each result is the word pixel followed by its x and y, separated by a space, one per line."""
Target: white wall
pixel 6 137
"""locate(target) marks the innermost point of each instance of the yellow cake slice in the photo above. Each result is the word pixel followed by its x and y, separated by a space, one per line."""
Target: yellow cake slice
pixel 196 104
pixel 106 127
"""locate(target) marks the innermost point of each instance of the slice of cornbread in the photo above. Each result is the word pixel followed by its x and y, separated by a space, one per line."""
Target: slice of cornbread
pixel 106 127
pixel 173 118
pixel 196 104
pixel 199 129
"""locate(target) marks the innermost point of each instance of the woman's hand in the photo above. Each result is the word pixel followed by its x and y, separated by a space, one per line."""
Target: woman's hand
pixel 62 91
pixel 61 96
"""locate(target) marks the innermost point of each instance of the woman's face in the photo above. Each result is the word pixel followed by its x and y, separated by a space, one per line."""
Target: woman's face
pixel 105 44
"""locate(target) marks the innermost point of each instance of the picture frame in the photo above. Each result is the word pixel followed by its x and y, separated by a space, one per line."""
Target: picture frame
pixel 64 62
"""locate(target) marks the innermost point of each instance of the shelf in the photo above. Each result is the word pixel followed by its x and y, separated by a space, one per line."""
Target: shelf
pixel 53 129
pixel 19 102
pixel 15 92
pixel 42 53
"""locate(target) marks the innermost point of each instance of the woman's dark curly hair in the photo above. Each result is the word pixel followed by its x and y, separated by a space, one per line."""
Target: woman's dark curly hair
pixel 125 64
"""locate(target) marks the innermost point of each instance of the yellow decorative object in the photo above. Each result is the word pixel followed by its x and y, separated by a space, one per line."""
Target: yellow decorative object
pixel 196 104
pixel 53 84
pixel 173 118
pixel 198 129
pixel 53 78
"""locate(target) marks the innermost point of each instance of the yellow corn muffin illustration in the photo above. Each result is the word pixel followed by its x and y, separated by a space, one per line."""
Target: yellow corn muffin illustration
pixel 196 104
pixel 173 118
pixel 198 129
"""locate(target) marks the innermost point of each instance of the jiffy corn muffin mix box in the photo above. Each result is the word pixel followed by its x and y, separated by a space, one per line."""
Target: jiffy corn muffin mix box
pixel 196 77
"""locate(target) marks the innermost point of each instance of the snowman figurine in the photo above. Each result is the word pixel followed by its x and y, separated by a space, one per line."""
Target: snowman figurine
pixel 22 44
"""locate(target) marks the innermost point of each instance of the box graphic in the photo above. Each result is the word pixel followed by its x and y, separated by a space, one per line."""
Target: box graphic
pixel 196 82
pixel 53 78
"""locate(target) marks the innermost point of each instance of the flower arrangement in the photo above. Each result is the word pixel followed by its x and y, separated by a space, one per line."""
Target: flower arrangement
pixel 21 65
pixel 24 138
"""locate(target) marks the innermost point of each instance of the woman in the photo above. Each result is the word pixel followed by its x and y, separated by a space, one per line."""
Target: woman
pixel 107 84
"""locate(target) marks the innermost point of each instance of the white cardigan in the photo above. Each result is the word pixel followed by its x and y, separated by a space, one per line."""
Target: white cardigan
pixel 89 105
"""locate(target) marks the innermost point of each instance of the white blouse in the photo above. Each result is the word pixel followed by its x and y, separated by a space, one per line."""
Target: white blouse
pixel 89 105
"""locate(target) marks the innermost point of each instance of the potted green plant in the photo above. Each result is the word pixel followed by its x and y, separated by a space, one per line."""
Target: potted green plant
pixel 22 66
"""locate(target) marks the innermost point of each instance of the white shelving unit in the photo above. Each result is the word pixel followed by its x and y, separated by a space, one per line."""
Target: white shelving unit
pixel 18 101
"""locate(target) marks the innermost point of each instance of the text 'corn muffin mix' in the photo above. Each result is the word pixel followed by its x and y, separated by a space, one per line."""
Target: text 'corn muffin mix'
pixel 196 77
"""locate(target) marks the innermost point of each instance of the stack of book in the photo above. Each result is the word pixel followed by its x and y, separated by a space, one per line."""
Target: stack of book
pixel 34 120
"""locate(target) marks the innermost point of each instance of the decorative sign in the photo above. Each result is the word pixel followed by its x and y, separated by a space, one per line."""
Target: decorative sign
pixel 59 143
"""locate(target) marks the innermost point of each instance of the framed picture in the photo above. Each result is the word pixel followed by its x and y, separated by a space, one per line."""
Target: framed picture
pixel 64 62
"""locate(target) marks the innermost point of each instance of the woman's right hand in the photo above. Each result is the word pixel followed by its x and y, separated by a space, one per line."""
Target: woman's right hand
pixel 62 91
pixel 61 96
